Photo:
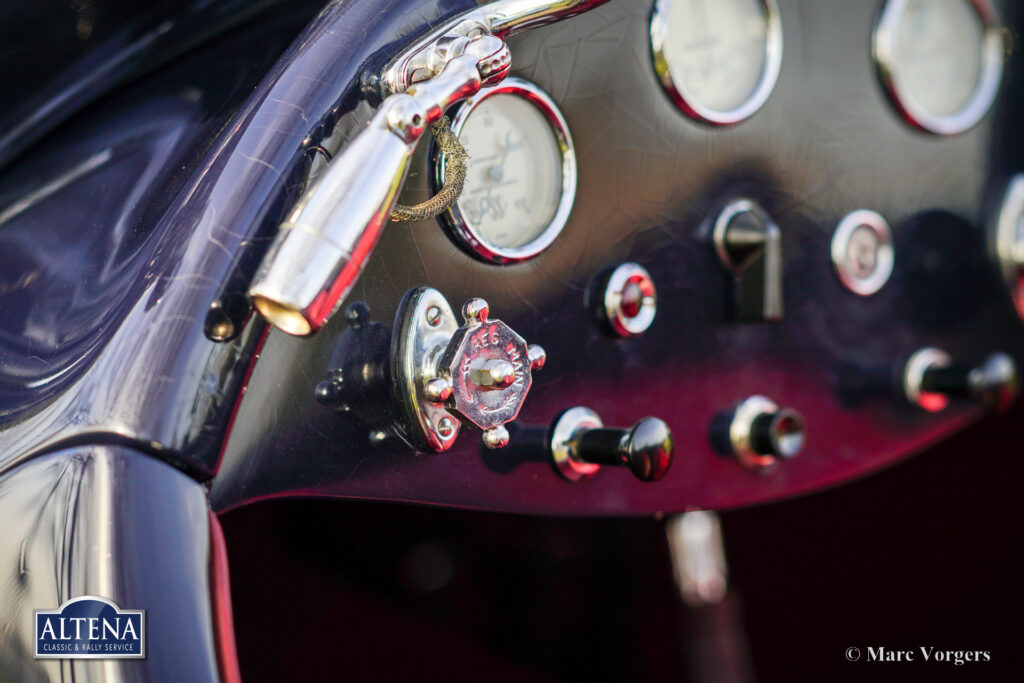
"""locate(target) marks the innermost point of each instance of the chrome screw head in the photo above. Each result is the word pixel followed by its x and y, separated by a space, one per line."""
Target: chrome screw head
pixel 445 426
pixel 433 316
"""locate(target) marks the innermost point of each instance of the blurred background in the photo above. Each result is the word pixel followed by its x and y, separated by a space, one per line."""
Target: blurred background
pixel 928 553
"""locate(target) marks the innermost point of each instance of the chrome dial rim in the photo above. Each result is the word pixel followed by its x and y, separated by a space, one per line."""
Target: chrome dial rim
pixel 462 228
pixel 883 48
pixel 685 101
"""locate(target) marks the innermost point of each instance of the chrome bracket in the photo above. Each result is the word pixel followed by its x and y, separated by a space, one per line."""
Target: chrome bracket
pixel 427 56
pixel 446 375
pixel 323 246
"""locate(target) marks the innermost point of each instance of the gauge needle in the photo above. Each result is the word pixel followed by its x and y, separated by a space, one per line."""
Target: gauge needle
pixel 496 173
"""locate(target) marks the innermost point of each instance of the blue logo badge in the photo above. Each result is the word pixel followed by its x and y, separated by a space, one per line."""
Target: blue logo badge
pixel 90 628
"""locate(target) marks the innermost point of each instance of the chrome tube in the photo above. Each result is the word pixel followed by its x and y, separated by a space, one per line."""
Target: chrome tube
pixel 322 248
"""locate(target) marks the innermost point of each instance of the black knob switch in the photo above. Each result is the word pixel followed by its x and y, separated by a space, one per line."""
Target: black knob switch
pixel 580 444
pixel 931 378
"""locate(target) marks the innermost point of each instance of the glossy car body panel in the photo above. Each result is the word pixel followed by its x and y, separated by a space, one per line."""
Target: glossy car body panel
pixel 114 523
pixel 122 354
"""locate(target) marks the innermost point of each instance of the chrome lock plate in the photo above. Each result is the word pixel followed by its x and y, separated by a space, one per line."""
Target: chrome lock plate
pixel 447 375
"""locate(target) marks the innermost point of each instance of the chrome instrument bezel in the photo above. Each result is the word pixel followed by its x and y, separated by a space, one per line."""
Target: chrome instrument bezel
pixel 1006 246
pixel 462 229
pixel 685 102
pixel 563 438
pixel 741 430
pixel 885 257
pixel 622 324
pixel 883 50
pixel 913 375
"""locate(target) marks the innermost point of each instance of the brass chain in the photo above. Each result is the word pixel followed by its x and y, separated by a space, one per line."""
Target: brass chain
pixel 456 162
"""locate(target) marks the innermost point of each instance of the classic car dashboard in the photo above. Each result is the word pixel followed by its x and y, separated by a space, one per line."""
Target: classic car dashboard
pixel 665 256
pixel 874 240
pixel 757 223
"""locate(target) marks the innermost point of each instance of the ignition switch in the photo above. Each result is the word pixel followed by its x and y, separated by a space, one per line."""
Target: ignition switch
pixel 445 375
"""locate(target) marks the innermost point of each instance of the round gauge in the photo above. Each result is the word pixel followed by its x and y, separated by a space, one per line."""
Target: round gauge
pixel 717 59
pixel 522 173
pixel 940 61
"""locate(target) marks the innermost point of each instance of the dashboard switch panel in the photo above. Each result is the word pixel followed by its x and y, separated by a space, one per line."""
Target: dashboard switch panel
pixel 750 244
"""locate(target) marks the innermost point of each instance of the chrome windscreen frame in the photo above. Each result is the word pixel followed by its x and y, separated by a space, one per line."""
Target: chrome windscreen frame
pixel 459 225
pixel 883 51
pixel 685 101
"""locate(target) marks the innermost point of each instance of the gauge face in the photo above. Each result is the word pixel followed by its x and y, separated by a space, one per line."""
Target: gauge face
pixel 717 59
pixel 522 173
pixel 940 61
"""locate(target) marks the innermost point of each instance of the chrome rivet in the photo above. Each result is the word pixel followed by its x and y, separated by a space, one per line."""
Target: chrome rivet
pixel 445 426
pixel 862 252
pixel 630 300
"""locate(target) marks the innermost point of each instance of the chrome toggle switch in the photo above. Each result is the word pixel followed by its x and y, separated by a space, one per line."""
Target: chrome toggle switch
pixel 759 433
pixel 931 378
pixel 580 444
pixel 446 375
pixel 750 244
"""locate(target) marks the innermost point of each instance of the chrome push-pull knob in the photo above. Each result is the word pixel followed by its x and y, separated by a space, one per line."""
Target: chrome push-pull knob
pixel 580 444
pixel 759 433
pixel 445 374
pixel 931 379
pixel 750 244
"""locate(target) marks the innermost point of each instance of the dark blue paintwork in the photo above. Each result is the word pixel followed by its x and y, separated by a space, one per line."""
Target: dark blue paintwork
pixel 110 522
pixel 120 233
